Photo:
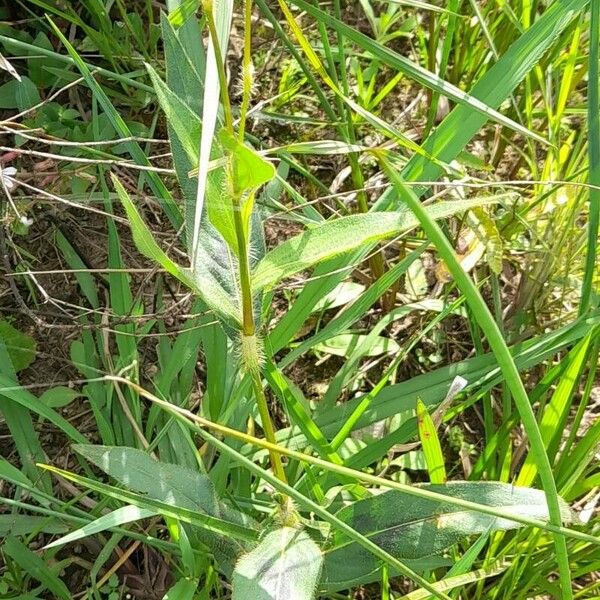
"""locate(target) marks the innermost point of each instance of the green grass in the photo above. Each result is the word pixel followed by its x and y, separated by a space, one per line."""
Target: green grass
pixel 266 240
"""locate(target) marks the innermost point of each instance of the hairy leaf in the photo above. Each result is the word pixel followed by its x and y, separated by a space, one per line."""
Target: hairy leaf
pixel 411 528
pixel 346 234
pixel 174 485
pixel 286 565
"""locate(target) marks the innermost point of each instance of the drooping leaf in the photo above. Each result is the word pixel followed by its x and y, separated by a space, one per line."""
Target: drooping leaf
pixel 411 528
pixel 345 234
pixel 164 481
pixel 207 525
pixel 286 565
pixel 19 345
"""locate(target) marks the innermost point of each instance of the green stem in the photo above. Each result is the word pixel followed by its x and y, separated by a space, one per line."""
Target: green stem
pixel 196 422
pixel 505 362
pixel 250 354
pixel 248 326
pixel 246 68
pixel 594 159
pixel 267 425
pixel 250 351
pixel 212 29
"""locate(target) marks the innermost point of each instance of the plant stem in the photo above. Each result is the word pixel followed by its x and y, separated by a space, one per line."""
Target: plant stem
pixel 248 326
pixel 267 425
pixel 250 348
pixel 250 351
pixel 212 29
pixel 246 69
pixel 594 160
pixel 505 362
pixel 197 423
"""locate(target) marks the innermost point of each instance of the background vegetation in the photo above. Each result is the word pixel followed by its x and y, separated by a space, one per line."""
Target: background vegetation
pixel 299 299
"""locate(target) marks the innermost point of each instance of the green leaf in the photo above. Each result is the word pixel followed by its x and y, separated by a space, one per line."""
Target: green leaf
pixel 183 12
pixel 20 395
pixel 38 66
pixel 286 565
pixel 20 346
pixel 345 234
pixel 36 567
pixel 214 529
pixel 184 589
pixel 347 578
pixel 59 396
pixel 174 485
pixel 342 294
pixel 204 283
pixel 185 123
pixel 412 528
pixel 347 343
pixel 120 516
pixel 431 444
pixel 14 524
pixel 185 64
pixel 169 483
pixel 19 94
pixel 248 169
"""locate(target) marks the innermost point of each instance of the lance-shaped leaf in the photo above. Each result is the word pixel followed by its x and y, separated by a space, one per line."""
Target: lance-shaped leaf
pixel 346 234
pixel 212 269
pixel 411 528
pixel 432 449
pixel 285 565
pixel 120 516
pixel 174 485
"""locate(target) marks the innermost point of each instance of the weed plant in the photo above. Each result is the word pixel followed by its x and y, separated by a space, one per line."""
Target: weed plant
pixel 300 299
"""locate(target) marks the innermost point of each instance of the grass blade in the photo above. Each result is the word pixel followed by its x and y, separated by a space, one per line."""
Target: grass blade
pixel 594 159
pixel 505 361
pixel 120 516
pixel 431 444
pixel 471 102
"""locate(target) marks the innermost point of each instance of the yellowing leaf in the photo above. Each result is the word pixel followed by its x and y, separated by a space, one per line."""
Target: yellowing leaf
pixel 431 444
